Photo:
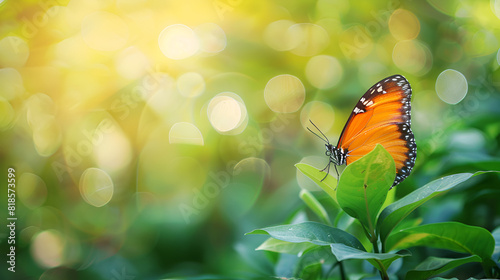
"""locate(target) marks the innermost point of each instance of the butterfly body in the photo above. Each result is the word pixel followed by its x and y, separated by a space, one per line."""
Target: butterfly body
pixel 381 116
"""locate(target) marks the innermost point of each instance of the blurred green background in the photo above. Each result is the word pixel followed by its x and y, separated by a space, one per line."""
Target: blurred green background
pixel 149 136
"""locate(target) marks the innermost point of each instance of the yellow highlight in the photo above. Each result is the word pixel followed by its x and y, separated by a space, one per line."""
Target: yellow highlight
pixel 132 63
pixel 12 84
pixel 404 25
pixel 14 52
pixel 178 41
pixel 412 56
pixel 104 31
pixel 324 71
pixel 277 35
pixel 408 240
pixel 311 38
pixel 212 37
pixel 7 114
pixel 284 94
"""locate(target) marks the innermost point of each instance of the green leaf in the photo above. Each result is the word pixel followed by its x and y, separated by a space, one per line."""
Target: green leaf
pixel 312 232
pixel 394 213
pixel 328 185
pixel 314 205
pixel 434 265
pixel 381 261
pixel 280 246
pixel 308 263
pixel 453 236
pixel 364 185
pixel 496 252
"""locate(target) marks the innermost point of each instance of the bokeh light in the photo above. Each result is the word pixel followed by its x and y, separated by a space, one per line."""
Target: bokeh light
pixel 324 71
pixel 498 57
pixel 451 86
pixel 185 133
pixel 96 187
pixel 412 56
pixel 132 63
pixel 227 112
pixel 284 93
pixel 355 43
pixel 12 83
pixel 191 84
pixel 278 36
pixel 47 248
pixel 320 113
pixel 178 41
pixel 113 151
pixel 404 25
pixel 14 52
pixel 311 38
pixel 147 135
pixel 495 7
pixel 212 37
pixel 8 114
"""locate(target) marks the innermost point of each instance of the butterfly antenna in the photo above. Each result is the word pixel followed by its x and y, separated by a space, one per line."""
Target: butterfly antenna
pixel 328 142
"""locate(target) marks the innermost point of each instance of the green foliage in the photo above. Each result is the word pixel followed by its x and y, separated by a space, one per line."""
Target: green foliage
pixel 327 184
pixel 364 186
pixel 448 235
pixel 434 265
pixel 398 210
pixel 381 261
pixel 361 193
pixel 312 232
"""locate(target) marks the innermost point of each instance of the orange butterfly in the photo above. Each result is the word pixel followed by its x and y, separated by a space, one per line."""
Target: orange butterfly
pixel 381 116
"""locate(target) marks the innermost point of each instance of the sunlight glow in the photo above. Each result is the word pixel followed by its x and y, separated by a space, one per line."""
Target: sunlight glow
pixel 451 86
pixel 14 52
pixel 104 31
pixel 178 41
pixel 47 248
pixel 224 113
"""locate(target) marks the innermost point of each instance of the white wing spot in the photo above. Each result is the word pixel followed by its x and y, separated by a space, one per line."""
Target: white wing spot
pixel 379 89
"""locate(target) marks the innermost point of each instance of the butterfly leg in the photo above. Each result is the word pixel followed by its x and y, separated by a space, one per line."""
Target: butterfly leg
pixel 327 167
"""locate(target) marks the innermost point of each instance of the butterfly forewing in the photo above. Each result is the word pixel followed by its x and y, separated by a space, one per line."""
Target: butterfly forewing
pixel 382 116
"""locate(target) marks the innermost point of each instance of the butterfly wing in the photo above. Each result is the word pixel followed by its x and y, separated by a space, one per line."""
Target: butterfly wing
pixel 382 116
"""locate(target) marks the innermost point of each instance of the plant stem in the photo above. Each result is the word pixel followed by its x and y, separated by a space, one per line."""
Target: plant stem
pixel 342 271
pixel 375 246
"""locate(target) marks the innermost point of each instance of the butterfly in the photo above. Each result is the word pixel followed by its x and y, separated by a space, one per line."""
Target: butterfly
pixel 381 116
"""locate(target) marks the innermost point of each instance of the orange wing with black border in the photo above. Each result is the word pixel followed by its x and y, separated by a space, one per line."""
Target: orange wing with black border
pixel 382 116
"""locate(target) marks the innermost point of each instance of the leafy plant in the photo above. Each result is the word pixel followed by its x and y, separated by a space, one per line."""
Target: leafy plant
pixel 361 193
